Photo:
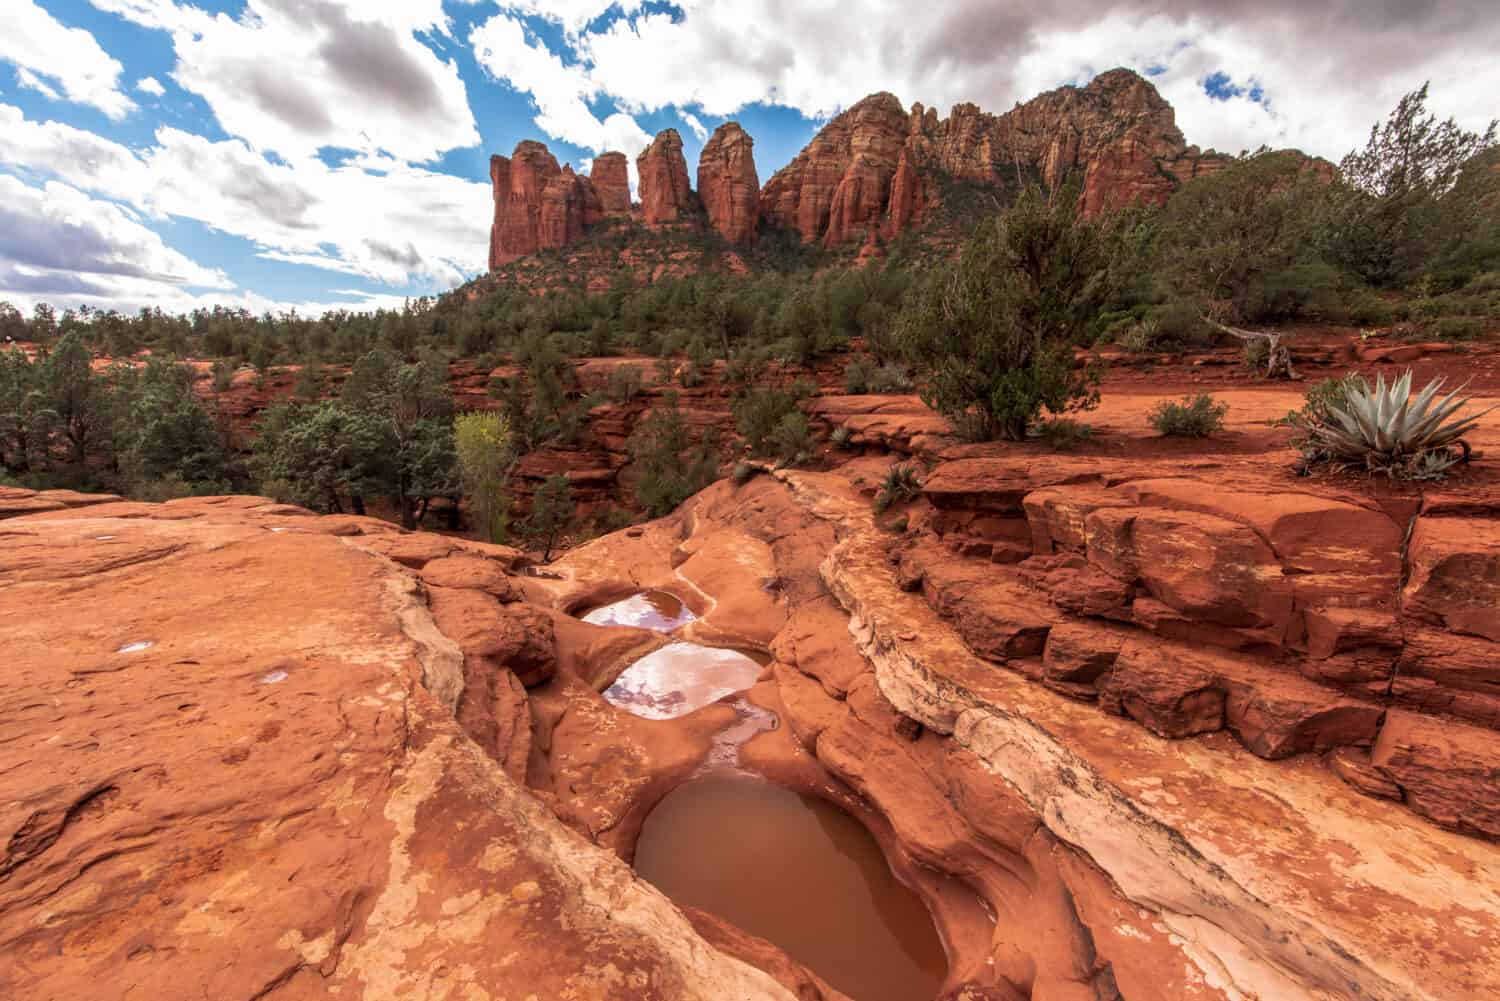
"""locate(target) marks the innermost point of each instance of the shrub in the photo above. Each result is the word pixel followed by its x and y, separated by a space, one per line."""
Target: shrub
pixel 1459 328
pixel 624 383
pixel 891 377
pixel 673 464
pixel 1195 417
pixel 1367 309
pixel 1322 396
pixel 900 484
pixel 841 437
pixel 744 472
pixel 1064 432
pixel 483 443
pixel 759 413
pixel 791 440
pixel 858 375
pixel 991 335
pixel 1390 430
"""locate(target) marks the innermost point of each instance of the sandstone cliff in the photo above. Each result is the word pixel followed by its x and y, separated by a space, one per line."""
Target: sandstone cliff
pixel 728 185
pixel 665 194
pixel 877 169
pixel 877 165
pixel 540 206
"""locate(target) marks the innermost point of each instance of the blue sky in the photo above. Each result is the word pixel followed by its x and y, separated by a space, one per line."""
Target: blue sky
pixel 315 153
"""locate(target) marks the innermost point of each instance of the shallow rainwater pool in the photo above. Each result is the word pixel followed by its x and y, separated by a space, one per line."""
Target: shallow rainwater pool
pixel 658 610
pixel 797 872
pixel 680 678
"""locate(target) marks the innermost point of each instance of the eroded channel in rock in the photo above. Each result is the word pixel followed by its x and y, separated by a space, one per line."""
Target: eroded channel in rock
pixel 799 873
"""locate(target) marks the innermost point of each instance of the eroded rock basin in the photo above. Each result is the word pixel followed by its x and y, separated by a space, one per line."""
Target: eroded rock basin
pixel 661 611
pixel 782 865
pixel 800 874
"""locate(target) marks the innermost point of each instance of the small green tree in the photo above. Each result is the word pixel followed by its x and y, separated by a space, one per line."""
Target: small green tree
pixel 1227 236
pixel 75 395
pixel 483 443
pixel 671 463
pixel 22 406
pixel 414 406
pixel 551 512
pixel 990 336
pixel 1388 212
pixel 165 434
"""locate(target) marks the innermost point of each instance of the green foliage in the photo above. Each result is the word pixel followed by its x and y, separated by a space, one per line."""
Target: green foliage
pixel 990 336
pixel 1195 417
pixel 1064 433
pixel 1386 428
pixel 744 472
pixel 765 418
pixel 672 464
pixel 841 437
pixel 552 510
pixel 1230 240
pixel 164 434
pixel 482 442
pixel 624 383
pixel 1459 328
pixel 319 454
pixel 1390 212
pixel 900 485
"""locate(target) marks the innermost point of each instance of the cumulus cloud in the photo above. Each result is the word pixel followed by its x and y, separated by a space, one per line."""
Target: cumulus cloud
pixel 297 76
pixel 345 218
pixel 560 91
pixel 60 62
pixel 150 85
pixel 1311 75
pixel 56 241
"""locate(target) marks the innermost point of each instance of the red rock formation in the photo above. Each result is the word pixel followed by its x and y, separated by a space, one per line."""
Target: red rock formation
pixel 569 204
pixel 611 178
pixel 728 185
pixel 663 179
pixel 518 184
pixel 537 204
pixel 878 163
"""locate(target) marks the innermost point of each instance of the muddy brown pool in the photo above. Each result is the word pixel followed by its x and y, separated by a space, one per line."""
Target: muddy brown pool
pixel 796 872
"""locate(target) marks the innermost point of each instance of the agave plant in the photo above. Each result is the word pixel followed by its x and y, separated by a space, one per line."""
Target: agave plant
pixel 1388 428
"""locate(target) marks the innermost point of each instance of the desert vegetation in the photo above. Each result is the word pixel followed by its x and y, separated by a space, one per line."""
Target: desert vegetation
pixel 1403 235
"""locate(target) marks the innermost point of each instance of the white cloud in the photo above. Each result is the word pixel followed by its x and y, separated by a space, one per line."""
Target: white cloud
pixel 560 91
pixel 59 61
pixel 150 85
pixel 1325 72
pixel 31 81
pixel 574 15
pixel 55 239
pixel 699 129
pixel 393 223
pixel 296 76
